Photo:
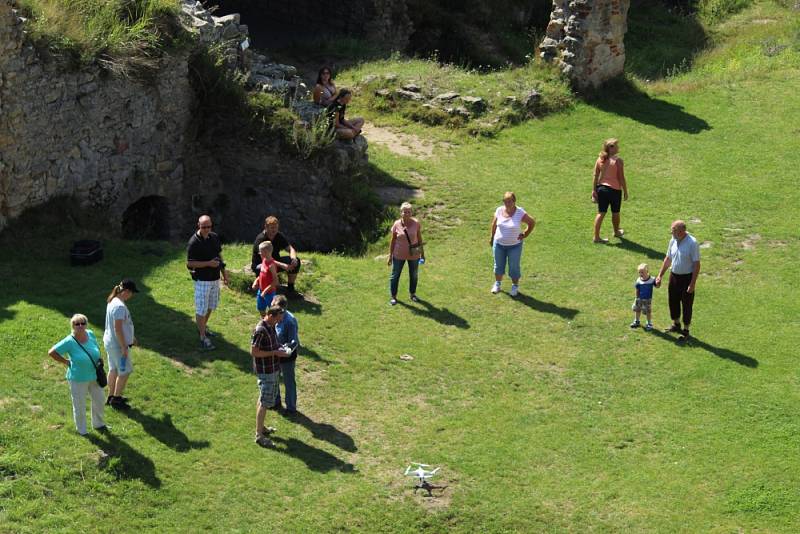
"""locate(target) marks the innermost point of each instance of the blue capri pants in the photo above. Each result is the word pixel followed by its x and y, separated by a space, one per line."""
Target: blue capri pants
pixel 511 254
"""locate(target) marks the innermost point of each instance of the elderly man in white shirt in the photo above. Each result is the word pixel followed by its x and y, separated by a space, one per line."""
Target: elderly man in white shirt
pixel 683 257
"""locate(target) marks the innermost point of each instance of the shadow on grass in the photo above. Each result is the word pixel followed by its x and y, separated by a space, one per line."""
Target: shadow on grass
pixel 546 307
pixel 36 270
pixel 314 355
pixel 314 458
pixel 622 97
pixel 725 354
pixel 440 315
pixel 303 305
pixel 632 246
pixel 325 432
pixel 164 430
pixel 123 461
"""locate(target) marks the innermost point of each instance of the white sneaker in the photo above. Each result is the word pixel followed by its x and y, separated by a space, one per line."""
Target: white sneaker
pixel 496 288
pixel 514 290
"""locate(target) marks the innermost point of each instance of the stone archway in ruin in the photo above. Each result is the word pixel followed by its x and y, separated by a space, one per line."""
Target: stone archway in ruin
pixel 586 39
pixel 147 218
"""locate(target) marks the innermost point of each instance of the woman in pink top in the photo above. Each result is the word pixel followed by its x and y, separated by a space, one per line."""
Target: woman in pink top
pixel 405 246
pixel 608 188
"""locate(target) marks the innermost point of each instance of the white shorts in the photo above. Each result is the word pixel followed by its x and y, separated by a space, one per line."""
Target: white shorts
pixel 115 360
pixel 206 296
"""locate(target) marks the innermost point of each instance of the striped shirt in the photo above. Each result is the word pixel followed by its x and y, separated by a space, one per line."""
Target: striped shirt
pixel 265 338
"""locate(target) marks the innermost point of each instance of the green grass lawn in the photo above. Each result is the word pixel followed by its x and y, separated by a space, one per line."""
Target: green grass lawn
pixel 545 412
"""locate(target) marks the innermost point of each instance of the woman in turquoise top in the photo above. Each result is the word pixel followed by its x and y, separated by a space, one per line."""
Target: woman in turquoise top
pixel 79 352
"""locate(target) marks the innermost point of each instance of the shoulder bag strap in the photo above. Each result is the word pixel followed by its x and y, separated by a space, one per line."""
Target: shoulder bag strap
pixel 84 350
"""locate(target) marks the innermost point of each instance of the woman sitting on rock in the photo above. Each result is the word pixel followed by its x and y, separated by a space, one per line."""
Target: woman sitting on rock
pixel 325 89
pixel 345 129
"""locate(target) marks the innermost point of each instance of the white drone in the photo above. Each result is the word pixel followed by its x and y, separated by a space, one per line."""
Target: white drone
pixel 423 475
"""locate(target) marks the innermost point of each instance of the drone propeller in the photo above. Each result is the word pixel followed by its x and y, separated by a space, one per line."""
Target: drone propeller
pixel 419 464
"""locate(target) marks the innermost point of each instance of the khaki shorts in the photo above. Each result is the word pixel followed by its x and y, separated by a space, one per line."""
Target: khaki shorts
pixel 642 305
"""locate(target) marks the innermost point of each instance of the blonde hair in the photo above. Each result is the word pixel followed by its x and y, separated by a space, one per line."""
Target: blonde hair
pixel 406 205
pixel 270 220
pixel 511 195
pixel 114 292
pixel 606 145
pixel 265 245
pixel 77 317
pixel 643 267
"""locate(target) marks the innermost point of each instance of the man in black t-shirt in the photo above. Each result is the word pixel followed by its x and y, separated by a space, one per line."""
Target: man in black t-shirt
pixel 289 264
pixel 204 260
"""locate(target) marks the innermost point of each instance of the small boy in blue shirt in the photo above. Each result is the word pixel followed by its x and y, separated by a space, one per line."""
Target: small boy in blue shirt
pixel 644 297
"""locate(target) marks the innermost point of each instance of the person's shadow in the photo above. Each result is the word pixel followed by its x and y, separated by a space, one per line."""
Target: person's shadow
pixel 314 355
pixel 440 315
pixel 546 307
pixel 314 458
pixel 719 352
pixel 632 246
pixel 123 461
pixel 325 432
pixel 164 430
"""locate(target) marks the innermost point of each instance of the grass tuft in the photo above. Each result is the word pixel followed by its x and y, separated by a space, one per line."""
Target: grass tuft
pixel 124 36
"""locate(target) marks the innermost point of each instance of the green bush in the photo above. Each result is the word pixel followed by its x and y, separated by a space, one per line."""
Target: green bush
pixel 712 11
pixel 124 36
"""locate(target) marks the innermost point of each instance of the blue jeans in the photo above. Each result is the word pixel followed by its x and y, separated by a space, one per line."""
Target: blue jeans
pixel 507 253
pixel 287 370
pixel 397 269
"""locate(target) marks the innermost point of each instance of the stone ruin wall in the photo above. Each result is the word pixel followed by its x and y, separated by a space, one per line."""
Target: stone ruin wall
pixel 586 39
pixel 110 142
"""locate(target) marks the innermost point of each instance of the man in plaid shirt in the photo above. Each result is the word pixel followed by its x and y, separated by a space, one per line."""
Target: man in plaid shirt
pixel 266 353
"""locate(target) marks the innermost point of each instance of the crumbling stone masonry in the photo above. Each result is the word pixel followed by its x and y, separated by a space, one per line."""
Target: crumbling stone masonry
pixel 126 148
pixel 585 38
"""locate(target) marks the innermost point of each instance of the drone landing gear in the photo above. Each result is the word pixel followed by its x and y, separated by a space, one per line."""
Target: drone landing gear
pixel 427 486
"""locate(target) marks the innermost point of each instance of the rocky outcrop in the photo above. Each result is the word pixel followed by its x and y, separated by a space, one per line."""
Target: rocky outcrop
pixel 128 149
pixel 586 38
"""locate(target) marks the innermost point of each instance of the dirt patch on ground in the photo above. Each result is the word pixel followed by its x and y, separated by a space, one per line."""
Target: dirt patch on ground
pixel 396 195
pixel 6 401
pixel 750 242
pixel 404 144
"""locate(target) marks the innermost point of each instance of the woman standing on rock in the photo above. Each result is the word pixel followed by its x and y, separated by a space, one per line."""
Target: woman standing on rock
pixel 405 246
pixel 609 188
pixel 506 241
pixel 325 89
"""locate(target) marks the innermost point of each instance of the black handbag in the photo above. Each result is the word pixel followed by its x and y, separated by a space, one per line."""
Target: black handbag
pixel 102 380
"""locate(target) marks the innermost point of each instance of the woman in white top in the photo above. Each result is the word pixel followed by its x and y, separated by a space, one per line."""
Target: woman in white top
pixel 325 89
pixel 506 240
pixel 118 338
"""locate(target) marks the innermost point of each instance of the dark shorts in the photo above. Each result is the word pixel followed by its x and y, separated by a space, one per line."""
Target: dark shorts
pixel 608 196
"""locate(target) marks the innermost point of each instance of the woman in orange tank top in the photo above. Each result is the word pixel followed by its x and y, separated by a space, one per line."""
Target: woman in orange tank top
pixel 609 188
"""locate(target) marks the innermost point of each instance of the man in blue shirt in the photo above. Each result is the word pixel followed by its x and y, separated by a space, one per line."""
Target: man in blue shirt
pixel 683 257
pixel 287 335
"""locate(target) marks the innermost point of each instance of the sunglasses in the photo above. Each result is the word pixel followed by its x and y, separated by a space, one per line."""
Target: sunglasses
pixel 78 324
pixel 206 227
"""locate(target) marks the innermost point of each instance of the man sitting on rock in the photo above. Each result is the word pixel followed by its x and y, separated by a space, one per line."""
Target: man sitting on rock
pixel 289 264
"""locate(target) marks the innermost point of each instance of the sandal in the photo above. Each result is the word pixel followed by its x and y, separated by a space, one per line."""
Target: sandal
pixel 602 240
